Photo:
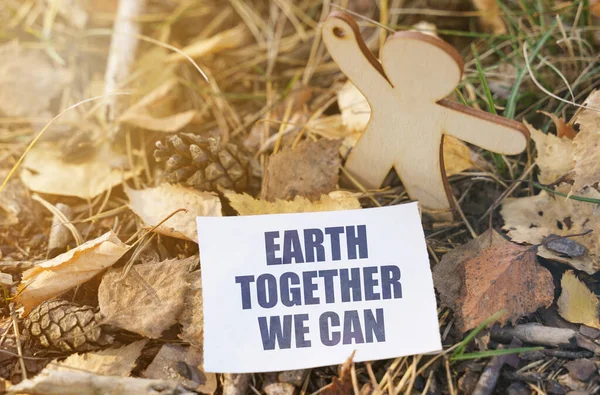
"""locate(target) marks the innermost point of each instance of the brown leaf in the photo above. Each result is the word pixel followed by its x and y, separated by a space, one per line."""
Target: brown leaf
pixel 577 304
pixel 563 129
pixel 192 316
pixel 448 275
pixel 28 80
pixel 110 362
pixel 153 205
pixel 342 384
pixel 245 204
pixel 149 299
pixel 502 275
pixel 309 170
pixel 66 271
pixel 184 365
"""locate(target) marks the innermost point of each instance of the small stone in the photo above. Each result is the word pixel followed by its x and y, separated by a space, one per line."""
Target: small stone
pixel 295 377
pixel 581 369
pixel 592 333
pixel 279 389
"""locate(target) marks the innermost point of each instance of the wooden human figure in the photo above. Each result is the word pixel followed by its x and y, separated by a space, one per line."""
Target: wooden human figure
pixel 409 115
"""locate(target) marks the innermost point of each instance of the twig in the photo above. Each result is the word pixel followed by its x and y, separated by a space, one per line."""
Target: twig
pixel 123 46
pixel 15 323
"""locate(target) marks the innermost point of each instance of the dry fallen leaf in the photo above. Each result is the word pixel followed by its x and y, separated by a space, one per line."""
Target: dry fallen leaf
pixel 110 362
pixel 184 365
pixel 28 80
pixel 586 154
pixel 192 316
pixel 555 155
pixel 531 219
pixel 61 382
pixel 490 17
pixel 342 384
pixel 577 304
pixel 73 11
pixel 355 117
pixel 309 170
pixel 245 204
pixel 228 39
pixel 77 266
pixel 16 204
pixel 153 205
pixel 503 275
pixel 149 299
pixel 139 114
pixel 45 171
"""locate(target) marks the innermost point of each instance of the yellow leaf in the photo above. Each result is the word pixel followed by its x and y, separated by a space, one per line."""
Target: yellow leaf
pixel 45 171
pixel 554 155
pixel 577 304
pixel 153 205
pixel 245 204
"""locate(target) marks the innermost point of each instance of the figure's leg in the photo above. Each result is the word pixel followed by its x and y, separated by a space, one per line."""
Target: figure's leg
pixel 421 174
pixel 369 161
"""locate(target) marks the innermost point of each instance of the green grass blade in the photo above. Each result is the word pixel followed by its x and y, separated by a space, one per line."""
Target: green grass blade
pixel 469 338
pixel 494 353
pixel 511 106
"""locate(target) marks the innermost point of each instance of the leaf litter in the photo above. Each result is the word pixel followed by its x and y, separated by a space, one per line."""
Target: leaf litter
pixel 275 92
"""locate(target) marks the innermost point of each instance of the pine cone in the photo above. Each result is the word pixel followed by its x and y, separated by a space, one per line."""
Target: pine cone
pixel 65 326
pixel 204 162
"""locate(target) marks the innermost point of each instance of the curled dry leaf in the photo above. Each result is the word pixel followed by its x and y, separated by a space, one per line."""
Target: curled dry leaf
pixel 563 129
pixel 183 365
pixel 45 171
pixel 77 266
pixel 531 219
pixel 28 80
pixel 577 303
pixel 150 297
pixel 153 205
pixel 139 114
pixel 110 362
pixel 228 39
pixel 491 277
pixel 355 117
pixel 245 204
pixel 342 384
pixel 309 170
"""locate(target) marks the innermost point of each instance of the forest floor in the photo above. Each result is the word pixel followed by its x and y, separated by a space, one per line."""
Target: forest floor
pixel 116 115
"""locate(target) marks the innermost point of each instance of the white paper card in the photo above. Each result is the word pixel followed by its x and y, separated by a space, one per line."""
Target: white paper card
pixel 292 291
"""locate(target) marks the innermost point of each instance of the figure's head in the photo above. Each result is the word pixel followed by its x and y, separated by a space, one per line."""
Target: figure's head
pixel 422 64
pixel 342 37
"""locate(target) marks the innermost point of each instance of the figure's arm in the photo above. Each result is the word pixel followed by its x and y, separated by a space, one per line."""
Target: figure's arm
pixel 485 130
pixel 342 38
